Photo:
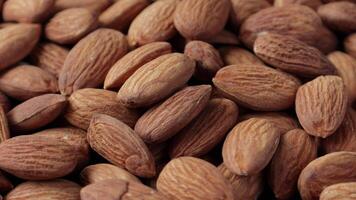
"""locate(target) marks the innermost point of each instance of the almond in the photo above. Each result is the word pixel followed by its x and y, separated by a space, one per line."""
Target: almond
pixel 26 81
pixel 29 11
pixel 104 47
pixel 295 151
pixel 60 31
pixel 156 80
pixel 95 6
pixel 36 112
pixel 224 37
pixel 291 55
pixel 339 191
pixel 324 171
pixel 321 105
pixel 5 102
pixel 164 120
pixel 4 126
pixel 153 24
pixel 200 178
pixel 311 3
pixel 242 9
pixel 236 56
pixel 120 15
pixel 247 84
pixel 5 184
pixel 206 130
pixel 84 103
pixel 16 42
pixel 127 65
pixel 250 145
pixel 119 144
pixel 350 45
pixel 101 172
pixel 34 157
pixel 57 189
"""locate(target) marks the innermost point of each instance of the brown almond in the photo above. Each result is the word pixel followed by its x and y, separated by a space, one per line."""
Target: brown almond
pixel 324 171
pixel 247 84
pixel 156 80
pixel 127 65
pixel 5 102
pixel 321 105
pixel 292 55
pixel 84 103
pixel 242 9
pixel 70 25
pixel 311 3
pixel 153 24
pixel 29 11
pixel 250 145
pixel 36 112
pixel 26 81
pixel 236 56
pixel 95 6
pixel 5 184
pixel 206 130
pixel 4 126
pixel 119 144
pixel 16 42
pixel 104 47
pixel 224 37
pixel 164 120
pixel 202 179
pixel 339 191
pixel 350 45
pixel 34 157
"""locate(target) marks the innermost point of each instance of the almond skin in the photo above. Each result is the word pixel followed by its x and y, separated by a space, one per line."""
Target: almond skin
pixel 339 191
pixel 153 24
pixel 224 37
pixel 311 3
pixel 242 9
pixel 5 102
pixel 95 6
pixel 206 130
pixel 236 56
pixel 104 47
pixel 29 11
pixel 250 145
pixel 83 103
pixel 295 151
pixel 166 119
pixel 127 65
pixel 4 126
pixel 34 157
pixel 56 189
pixel 350 45
pixel 327 170
pixel 156 80
pixel 36 112
pixel 247 84
pixel 60 31
pixel 200 178
pixel 119 144
pixel 321 105
pixel 292 55
pixel 16 42
pixel 26 81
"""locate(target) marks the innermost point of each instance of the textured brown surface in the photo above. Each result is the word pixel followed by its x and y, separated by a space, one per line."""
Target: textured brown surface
pixel 242 9
pixel 350 45
pixel 4 126
pixel 311 3
pixel 95 6
pixel 339 191
pixel 236 55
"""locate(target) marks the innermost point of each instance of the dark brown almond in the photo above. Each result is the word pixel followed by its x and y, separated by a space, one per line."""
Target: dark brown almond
pixel 242 9
pixel 4 126
pixel 225 37
pixel 5 102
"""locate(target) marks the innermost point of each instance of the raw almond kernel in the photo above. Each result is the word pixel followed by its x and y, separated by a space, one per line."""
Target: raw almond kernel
pixel 164 120
pixel 26 81
pixel 132 61
pixel 244 187
pixel 56 189
pixel 292 55
pixel 200 178
pixel 153 24
pixel 119 189
pixel 350 45
pixel 36 112
pixel 101 172
pixel 327 170
pixel 207 58
pixel 247 84
pixel 5 184
pixel 250 146
pixel 4 126
pixel 344 139
pixel 83 103
pixel 295 151
pixel 311 3
pixel 236 55
pixel 95 6
pixel 206 130
pixel 29 11
pixel 346 68
pixel 156 80
pixel 90 59
pixel 120 145
pixel 339 191
pixel 34 157
pixel 49 56
pixel 242 9
pixel 121 13
pixel 82 22
pixel 339 16
pixel 321 105
pixel 206 18
pixel 16 42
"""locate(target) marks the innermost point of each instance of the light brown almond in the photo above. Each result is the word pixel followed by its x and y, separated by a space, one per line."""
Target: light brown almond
pixel 95 6
pixel 311 3
pixel 350 45
pixel 339 191
pixel 4 126
pixel 236 55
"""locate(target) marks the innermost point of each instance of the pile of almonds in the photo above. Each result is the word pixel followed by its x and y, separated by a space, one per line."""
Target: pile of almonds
pixel 178 100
